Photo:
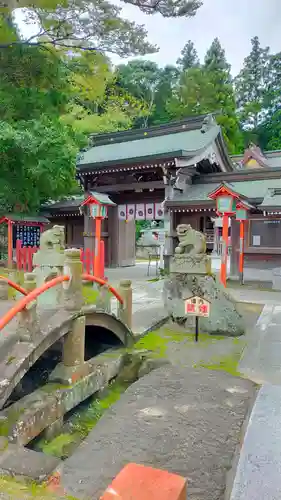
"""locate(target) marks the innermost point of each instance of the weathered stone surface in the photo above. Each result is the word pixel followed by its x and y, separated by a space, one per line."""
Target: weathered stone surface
pixel 17 357
pixel 4 287
pixel 150 364
pixel 224 318
pixel 73 297
pixel 49 262
pixel 191 264
pixel 22 463
pixel 181 420
pixel 27 418
pixel 74 343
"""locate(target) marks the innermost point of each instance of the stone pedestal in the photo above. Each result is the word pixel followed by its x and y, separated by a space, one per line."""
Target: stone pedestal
pixel 191 264
pixel 224 318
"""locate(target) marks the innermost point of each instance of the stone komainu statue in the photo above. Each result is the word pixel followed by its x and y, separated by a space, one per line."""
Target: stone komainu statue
pixel 191 242
pixel 53 239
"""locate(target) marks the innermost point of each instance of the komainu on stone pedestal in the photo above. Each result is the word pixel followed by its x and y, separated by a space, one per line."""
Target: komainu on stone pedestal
pixel 190 274
pixel 49 262
pixel 190 254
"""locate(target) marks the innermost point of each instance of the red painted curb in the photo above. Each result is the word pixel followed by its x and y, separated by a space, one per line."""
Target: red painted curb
pixel 138 482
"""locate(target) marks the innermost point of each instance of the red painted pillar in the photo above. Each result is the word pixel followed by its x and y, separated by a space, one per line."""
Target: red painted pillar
pixel 97 246
pixel 241 251
pixel 10 244
pixel 223 274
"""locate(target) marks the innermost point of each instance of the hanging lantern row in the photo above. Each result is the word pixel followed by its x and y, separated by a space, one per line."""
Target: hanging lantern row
pixel 141 211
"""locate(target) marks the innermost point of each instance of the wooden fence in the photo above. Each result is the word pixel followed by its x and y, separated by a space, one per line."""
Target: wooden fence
pixel 24 259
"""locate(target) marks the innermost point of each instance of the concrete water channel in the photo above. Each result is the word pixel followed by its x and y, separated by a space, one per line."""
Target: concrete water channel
pixel 168 345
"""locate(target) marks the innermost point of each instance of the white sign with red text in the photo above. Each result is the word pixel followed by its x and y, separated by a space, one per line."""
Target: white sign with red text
pixel 197 306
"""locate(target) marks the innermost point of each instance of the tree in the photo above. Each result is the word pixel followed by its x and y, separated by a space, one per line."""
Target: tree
pixel 208 89
pixel 171 8
pixel 189 57
pixel 251 85
pixel 268 132
pixel 48 109
pixel 93 25
pixel 167 82
pixel 215 59
pixel 140 79
pixel 37 151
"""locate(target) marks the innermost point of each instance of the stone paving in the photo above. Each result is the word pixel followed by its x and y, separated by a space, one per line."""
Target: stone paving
pixel 261 360
pixel 259 466
pixel 182 420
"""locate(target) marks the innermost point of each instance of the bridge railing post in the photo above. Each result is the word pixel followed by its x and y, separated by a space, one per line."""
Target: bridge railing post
pixel 4 287
pixel 28 324
pixel 29 282
pixel 74 341
pixel 124 311
pixel 73 291
pixel 74 344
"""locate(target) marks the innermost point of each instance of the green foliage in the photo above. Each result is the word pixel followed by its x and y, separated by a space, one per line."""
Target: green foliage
pixel 140 225
pixel 251 85
pixel 208 89
pixel 150 85
pixel 96 24
pixel 189 57
pixel 258 88
pixel 51 104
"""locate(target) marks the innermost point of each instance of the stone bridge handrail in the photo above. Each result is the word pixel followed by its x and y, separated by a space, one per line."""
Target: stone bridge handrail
pixel 31 296
pixel 22 303
pixel 14 285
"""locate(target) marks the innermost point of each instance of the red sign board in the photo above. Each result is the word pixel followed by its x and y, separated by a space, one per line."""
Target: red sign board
pixel 197 306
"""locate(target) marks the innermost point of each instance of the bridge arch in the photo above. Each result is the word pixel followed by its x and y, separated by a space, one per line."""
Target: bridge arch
pixel 25 354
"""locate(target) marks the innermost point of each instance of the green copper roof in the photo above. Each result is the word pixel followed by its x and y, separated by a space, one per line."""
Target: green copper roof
pixel 252 190
pixel 27 218
pixel 102 198
pixel 186 143
pixel 272 198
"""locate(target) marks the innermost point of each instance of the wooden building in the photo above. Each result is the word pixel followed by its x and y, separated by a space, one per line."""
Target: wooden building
pixel 138 169
pixel 167 172
pixel 67 213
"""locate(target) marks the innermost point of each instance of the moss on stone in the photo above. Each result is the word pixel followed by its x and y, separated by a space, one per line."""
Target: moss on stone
pixel 10 489
pixel 228 363
pixel 57 447
pixel 53 387
pixel 7 422
pixel 157 341
pixel 90 294
pixel 80 424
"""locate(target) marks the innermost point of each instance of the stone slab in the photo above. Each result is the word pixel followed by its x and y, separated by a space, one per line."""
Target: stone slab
pixel 20 462
pixel 185 421
pixel 259 466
